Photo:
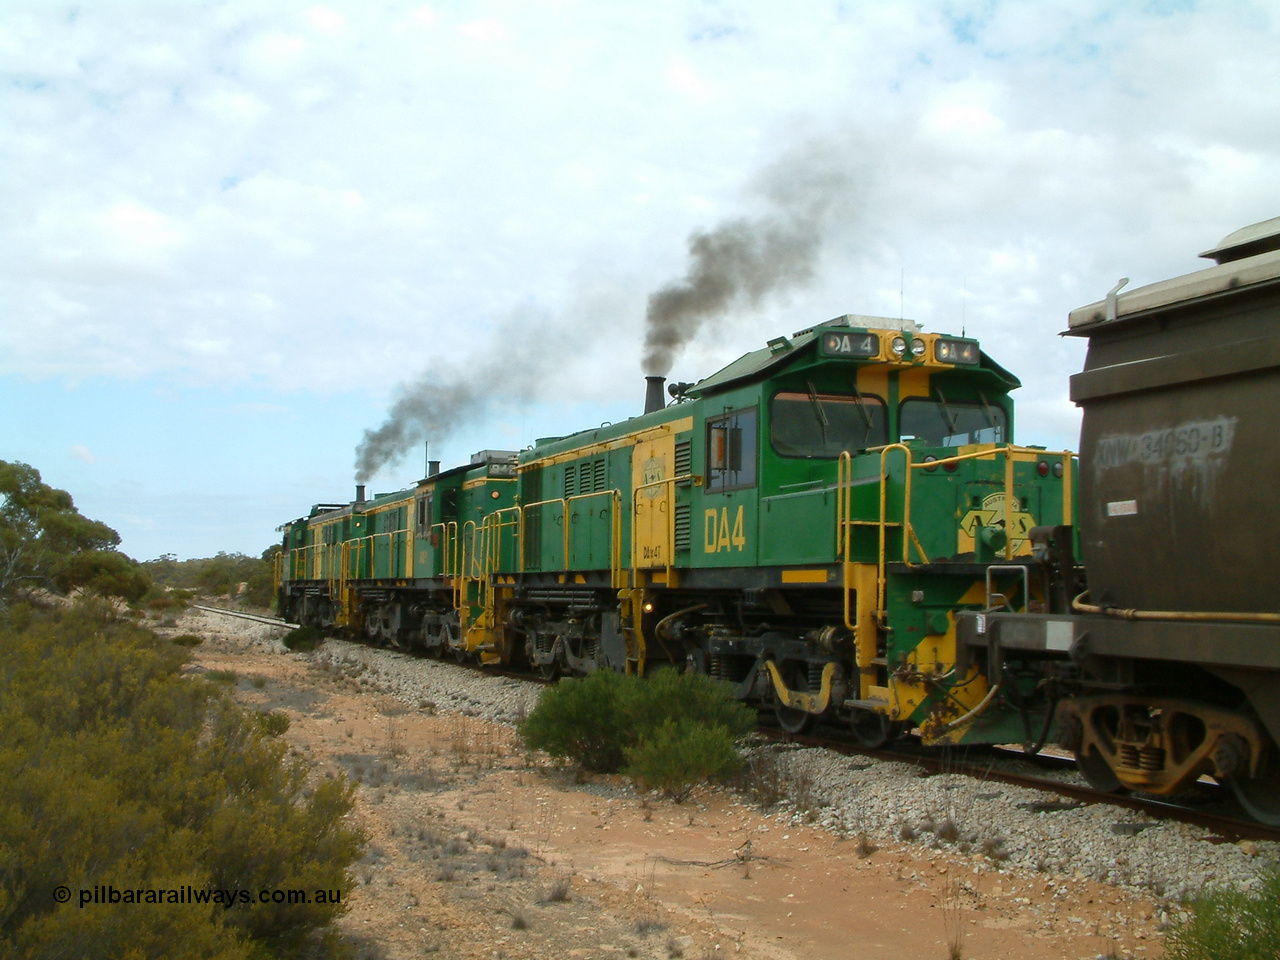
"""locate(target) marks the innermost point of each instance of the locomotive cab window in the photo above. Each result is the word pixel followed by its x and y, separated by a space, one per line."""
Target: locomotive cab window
pixel 943 423
pixel 823 425
pixel 424 515
pixel 731 451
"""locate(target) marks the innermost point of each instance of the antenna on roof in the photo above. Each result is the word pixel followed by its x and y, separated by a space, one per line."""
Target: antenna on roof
pixel 902 281
pixel 964 283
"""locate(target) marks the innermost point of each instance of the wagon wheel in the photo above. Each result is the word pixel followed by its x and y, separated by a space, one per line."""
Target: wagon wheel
pixel 549 671
pixel 1098 773
pixel 871 730
pixel 1260 796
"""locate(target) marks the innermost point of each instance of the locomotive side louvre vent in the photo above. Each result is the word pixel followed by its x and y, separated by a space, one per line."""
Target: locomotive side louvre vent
pixel 584 477
pixel 684 458
pixel 570 481
pixel 599 480
pixel 533 520
pixel 682 525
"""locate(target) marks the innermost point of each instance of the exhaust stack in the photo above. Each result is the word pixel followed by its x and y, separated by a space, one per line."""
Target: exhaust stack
pixel 359 493
pixel 433 467
pixel 653 398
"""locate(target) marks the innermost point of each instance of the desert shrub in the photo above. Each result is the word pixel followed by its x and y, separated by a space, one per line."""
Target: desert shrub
pixel 303 639
pixel 681 754
pixel 606 720
pixel 670 694
pixel 584 720
pixel 120 771
pixel 188 640
pixel 1227 925
pixel 273 723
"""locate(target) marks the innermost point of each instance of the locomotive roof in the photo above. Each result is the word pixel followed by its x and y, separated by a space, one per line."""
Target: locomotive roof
pixel 1229 276
pixel 782 351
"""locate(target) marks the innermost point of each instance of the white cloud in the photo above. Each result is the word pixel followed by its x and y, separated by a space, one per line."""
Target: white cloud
pixel 82 454
pixel 338 195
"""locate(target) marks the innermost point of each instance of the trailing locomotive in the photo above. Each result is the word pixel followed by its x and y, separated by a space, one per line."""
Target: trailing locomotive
pixel 803 524
pixel 1174 652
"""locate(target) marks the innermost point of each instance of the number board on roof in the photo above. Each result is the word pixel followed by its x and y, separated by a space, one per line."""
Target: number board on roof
pixel 845 343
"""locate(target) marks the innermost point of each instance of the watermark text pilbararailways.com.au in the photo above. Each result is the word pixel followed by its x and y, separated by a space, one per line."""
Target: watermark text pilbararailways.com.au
pixel 194 896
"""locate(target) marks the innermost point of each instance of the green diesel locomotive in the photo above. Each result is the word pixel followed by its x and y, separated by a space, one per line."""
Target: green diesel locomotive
pixel 804 524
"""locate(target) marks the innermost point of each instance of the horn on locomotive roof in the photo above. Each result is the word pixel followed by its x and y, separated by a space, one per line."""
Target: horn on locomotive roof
pixel 653 399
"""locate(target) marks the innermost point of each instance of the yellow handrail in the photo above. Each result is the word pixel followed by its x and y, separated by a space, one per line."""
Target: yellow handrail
pixel 670 525
pixel 564 512
pixel 844 505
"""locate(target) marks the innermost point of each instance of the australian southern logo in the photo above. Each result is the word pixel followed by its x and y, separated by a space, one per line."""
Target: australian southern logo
pixel 651 471
pixel 991 513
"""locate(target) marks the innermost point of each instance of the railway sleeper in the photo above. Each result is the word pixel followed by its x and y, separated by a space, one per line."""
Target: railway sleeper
pixel 1158 746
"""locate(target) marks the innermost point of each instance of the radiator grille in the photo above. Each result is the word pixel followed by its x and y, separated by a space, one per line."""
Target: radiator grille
pixel 683 526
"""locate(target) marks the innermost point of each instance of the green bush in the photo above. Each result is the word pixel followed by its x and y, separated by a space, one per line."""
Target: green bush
pixel 679 755
pixel 607 720
pixel 273 723
pixel 1227 925
pixel 303 639
pixel 120 771
pixel 584 720
pixel 690 696
pixel 188 640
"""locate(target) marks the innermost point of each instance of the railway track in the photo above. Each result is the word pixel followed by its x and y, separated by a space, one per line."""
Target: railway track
pixel 273 621
pixel 1221 827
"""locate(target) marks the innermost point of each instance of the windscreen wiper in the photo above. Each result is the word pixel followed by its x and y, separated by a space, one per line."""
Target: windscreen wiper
pixel 862 409
pixel 986 412
pixel 817 406
pixel 947 415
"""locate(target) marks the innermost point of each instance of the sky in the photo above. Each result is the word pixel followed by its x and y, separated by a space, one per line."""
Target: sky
pixel 234 235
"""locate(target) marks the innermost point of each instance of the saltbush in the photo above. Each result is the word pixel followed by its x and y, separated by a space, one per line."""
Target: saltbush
pixel 584 720
pixel 303 639
pixel 679 755
pixel 119 771
pixel 1228 925
pixel 670 731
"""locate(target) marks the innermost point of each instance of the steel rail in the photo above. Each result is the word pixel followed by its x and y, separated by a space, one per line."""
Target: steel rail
pixel 273 621
pixel 1222 828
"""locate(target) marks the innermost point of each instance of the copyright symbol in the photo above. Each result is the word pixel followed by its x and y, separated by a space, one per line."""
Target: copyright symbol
pixel 62 894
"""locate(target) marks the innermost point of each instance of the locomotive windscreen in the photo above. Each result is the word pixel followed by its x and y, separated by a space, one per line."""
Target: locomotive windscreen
pixel 826 425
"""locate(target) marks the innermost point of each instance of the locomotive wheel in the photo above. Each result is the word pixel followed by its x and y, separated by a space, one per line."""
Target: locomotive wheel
pixel 789 718
pixel 871 730
pixel 1260 798
pixel 792 720
pixel 1098 774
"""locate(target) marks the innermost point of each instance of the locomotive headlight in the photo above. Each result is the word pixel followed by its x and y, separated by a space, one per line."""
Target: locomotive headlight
pixel 898 346
pixel 917 347
pixel 956 351
pixel 1058 470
